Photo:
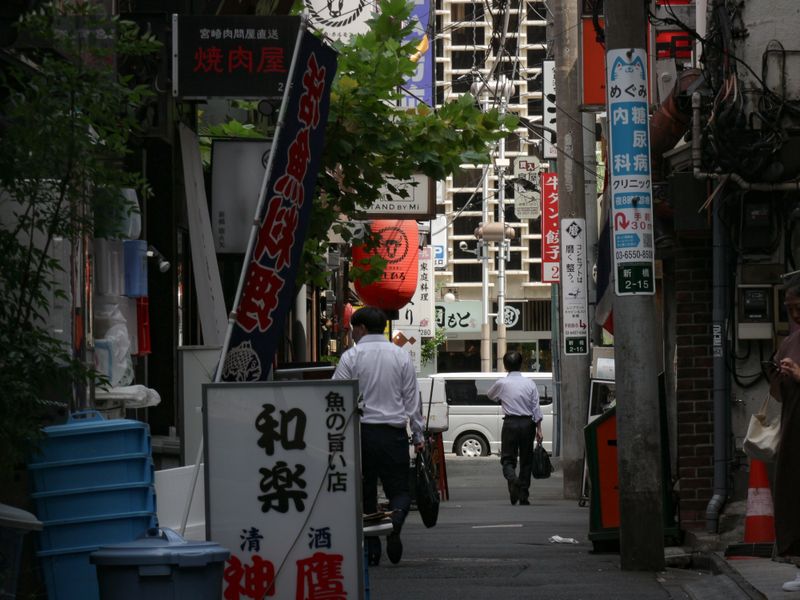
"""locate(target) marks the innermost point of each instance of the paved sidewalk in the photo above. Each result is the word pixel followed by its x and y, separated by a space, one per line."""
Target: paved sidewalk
pixel 764 575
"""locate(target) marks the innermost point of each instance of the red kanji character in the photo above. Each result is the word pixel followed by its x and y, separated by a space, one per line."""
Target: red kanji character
pixel 208 60
pixel 276 235
pixel 272 61
pixel 259 579
pixel 320 578
pixel 314 83
pixel 240 59
pixel 259 298
pixel 291 184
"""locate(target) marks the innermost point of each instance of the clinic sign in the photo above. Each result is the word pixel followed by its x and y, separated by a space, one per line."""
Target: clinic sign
pixel 629 163
pixel 574 296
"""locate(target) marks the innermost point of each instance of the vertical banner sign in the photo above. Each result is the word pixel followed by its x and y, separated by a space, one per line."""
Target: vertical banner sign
pixel 419 312
pixel 549 109
pixel 527 193
pixel 551 247
pixel 270 271
pixel 439 242
pixel 629 163
pixel 574 298
pixel 283 488
pixel 419 87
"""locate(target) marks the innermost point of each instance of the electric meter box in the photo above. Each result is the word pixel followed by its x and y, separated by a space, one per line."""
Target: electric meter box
pixel 754 312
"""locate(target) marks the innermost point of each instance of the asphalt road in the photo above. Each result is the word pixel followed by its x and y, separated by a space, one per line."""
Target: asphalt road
pixel 484 548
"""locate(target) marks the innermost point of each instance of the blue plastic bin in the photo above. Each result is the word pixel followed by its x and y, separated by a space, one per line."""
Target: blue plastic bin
pixel 95 530
pixel 135 252
pixel 161 565
pixel 96 501
pixel 65 475
pixel 86 434
pixel 69 575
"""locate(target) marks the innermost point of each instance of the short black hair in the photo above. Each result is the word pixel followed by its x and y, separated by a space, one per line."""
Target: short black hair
pixel 371 317
pixel 512 360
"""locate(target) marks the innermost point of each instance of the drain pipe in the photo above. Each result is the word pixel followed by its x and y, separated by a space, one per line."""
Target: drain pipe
pixel 720 384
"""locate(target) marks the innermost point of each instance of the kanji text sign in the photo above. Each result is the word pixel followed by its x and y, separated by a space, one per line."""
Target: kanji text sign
pixel 463 316
pixel 551 248
pixel 629 164
pixel 232 56
pixel 419 312
pixel 283 488
pixel 574 297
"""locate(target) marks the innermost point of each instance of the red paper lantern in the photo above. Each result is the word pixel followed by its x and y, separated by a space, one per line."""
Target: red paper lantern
pixel 399 247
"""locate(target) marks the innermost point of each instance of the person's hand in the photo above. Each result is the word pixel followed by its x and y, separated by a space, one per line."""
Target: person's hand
pixel 789 368
pixel 539 436
pixel 419 447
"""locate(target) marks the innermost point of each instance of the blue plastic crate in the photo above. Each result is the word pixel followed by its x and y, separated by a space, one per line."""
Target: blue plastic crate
pixel 92 472
pixel 95 531
pixel 95 501
pixel 68 574
pixel 87 434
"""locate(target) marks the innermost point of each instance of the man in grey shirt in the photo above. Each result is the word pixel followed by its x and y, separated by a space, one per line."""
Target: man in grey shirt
pixel 387 383
pixel 521 424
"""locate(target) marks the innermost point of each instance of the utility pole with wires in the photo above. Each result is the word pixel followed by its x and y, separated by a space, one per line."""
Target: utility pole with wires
pixel 574 390
pixel 500 91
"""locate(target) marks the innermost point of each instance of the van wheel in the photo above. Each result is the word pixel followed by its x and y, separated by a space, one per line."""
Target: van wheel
pixel 471 445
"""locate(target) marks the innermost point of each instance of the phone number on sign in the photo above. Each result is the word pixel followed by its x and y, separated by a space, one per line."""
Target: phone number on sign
pixel 642 254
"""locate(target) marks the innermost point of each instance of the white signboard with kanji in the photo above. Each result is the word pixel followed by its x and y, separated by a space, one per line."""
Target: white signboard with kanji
pixel 574 297
pixel 283 488
pixel 410 340
pixel 419 312
pixel 527 195
pixel 462 316
pixel 629 168
pixel 551 248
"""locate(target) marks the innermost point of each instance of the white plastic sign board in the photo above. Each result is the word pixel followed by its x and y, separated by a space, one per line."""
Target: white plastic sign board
pixel 574 297
pixel 419 204
pixel 463 316
pixel 527 198
pixel 283 488
pixel 439 242
pixel 629 165
pixel 410 340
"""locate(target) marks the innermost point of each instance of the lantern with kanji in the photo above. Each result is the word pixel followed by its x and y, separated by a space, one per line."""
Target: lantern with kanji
pixel 399 247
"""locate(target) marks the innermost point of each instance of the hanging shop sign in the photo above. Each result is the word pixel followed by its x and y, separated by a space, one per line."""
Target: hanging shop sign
pixel 513 315
pixel 462 316
pixel 629 167
pixel 549 109
pixel 574 296
pixel 283 489
pixel 399 247
pixel 267 284
pixel 419 204
pixel 551 248
pixel 439 242
pixel 232 56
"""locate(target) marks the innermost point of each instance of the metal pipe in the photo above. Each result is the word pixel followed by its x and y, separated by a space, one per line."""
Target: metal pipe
pixel 483 249
pixel 505 87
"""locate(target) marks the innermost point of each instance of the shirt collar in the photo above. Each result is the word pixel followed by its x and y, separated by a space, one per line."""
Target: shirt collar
pixel 514 374
pixel 373 337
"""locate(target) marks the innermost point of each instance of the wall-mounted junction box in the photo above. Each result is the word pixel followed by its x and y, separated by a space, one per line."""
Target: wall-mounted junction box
pixel 754 312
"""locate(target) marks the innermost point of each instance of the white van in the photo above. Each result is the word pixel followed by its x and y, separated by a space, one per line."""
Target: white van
pixel 474 421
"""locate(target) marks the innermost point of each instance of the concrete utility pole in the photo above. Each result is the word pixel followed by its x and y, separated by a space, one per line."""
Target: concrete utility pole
pixel 574 394
pixel 635 334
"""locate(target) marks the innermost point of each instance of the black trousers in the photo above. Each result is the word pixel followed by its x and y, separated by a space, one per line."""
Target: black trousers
pixel 384 456
pixel 516 442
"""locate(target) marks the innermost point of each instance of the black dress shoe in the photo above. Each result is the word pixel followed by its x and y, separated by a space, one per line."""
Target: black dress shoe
pixel 373 551
pixel 524 502
pixel 513 491
pixel 394 548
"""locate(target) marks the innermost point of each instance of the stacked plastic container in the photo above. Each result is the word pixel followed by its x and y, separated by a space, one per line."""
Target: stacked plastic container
pixel 93 486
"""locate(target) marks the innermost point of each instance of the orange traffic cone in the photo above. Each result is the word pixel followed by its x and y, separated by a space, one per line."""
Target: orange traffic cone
pixel 759 522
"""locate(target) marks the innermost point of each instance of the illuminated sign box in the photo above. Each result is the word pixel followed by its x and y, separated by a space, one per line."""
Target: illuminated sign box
pixel 231 56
